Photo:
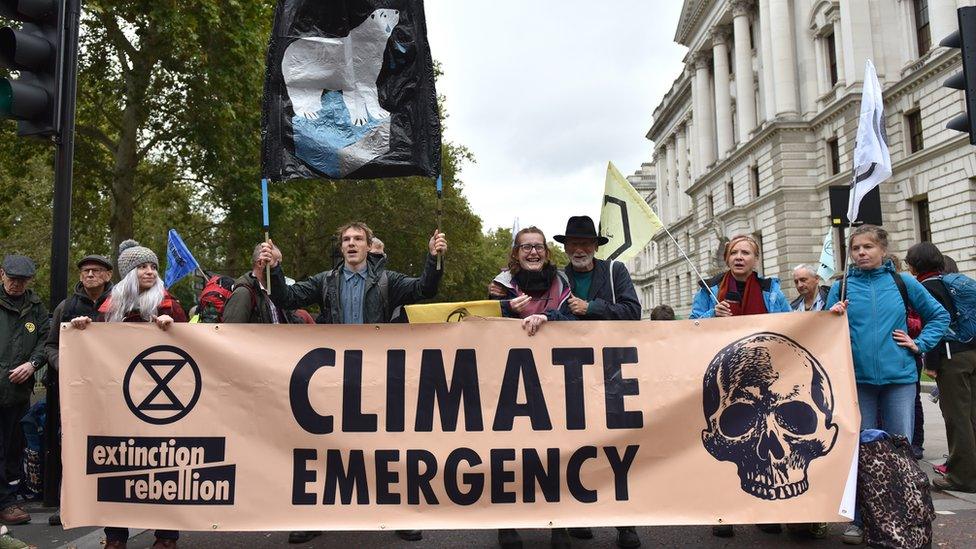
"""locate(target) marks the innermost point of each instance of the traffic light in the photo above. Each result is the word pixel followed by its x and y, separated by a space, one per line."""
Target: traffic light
pixel 35 52
pixel 965 39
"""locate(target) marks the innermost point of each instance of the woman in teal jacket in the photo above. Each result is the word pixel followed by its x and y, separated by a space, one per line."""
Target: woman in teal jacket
pixel 884 353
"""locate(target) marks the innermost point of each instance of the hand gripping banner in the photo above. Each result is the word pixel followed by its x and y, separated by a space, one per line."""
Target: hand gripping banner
pixel 461 425
pixel 349 92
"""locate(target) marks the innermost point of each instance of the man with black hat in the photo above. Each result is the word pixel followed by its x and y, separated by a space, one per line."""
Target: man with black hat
pixel 602 290
pixel 94 285
pixel 23 331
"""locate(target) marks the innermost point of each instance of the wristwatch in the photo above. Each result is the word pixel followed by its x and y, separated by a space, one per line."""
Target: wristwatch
pixel 35 364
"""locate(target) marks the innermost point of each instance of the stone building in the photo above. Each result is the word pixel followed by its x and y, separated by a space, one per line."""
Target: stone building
pixel 762 121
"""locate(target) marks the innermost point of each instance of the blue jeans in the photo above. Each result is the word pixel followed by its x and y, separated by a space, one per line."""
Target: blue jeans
pixel 897 404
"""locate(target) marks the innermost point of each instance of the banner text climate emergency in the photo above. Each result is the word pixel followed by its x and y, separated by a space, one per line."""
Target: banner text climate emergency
pixel 332 476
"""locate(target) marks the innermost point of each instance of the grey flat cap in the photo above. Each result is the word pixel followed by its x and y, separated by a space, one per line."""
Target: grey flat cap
pixel 95 258
pixel 19 266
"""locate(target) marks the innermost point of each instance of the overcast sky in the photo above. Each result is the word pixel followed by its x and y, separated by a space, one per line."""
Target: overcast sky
pixel 544 93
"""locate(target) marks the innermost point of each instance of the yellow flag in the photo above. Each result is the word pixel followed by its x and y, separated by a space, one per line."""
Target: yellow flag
pixel 626 219
pixel 431 313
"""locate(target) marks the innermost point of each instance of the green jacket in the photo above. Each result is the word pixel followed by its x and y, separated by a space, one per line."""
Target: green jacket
pixel 248 303
pixel 23 333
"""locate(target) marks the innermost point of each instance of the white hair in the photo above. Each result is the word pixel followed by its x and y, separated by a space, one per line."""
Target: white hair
pixel 804 266
pixel 127 297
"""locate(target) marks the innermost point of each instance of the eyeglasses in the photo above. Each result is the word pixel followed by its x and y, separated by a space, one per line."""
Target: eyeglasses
pixel 93 270
pixel 529 247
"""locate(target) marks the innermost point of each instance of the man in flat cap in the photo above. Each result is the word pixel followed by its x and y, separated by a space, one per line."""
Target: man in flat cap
pixel 23 332
pixel 94 285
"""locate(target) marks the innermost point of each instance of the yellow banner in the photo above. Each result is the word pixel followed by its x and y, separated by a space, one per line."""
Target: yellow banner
pixel 461 425
pixel 625 219
pixel 452 312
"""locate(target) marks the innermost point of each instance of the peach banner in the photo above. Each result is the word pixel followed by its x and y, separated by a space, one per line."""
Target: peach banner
pixel 463 425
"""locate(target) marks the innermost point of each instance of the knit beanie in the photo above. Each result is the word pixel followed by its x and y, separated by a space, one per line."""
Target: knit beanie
pixel 131 255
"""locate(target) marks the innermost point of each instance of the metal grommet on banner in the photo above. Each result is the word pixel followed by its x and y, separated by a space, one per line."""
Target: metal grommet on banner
pixel 214 526
pixel 377 326
pixel 216 327
pixel 382 527
pixel 697 323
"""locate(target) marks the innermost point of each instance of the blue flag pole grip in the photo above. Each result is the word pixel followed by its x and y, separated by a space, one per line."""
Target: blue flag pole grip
pixel 264 202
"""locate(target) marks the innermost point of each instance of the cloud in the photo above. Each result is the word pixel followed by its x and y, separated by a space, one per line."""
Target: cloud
pixel 545 93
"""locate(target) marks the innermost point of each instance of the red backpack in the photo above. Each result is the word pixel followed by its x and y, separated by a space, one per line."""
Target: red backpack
pixel 214 296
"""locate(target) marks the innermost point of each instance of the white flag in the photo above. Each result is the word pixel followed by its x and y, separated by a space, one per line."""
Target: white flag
pixel 515 230
pixel 826 269
pixel 872 163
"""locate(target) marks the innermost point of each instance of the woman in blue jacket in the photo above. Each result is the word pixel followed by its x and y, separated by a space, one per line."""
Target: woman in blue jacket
pixel 884 353
pixel 755 294
pixel 740 291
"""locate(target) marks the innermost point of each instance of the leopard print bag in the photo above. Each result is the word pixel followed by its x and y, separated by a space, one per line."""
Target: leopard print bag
pixel 893 495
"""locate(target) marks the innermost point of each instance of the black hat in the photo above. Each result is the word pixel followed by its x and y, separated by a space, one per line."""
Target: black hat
pixel 95 258
pixel 18 266
pixel 580 226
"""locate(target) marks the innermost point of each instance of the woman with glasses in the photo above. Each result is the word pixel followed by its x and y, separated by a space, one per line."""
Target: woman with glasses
pixel 533 289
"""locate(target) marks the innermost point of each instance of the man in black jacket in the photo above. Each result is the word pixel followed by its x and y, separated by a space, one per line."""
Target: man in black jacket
pixel 94 285
pixel 358 291
pixel 813 296
pixel 602 290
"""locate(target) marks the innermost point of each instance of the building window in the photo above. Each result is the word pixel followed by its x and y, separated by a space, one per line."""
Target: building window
pixel 762 256
pixel 754 179
pixel 913 123
pixel 924 225
pixel 730 193
pixel 691 289
pixel 831 60
pixel 923 33
pixel 709 206
pixel 833 155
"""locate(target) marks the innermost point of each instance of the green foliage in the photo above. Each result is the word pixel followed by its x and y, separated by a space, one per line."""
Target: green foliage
pixel 169 109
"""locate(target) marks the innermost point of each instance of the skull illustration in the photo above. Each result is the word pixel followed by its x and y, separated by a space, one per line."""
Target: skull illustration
pixel 768 408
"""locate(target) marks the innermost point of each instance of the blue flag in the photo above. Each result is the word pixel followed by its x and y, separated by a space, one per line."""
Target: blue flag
pixel 179 261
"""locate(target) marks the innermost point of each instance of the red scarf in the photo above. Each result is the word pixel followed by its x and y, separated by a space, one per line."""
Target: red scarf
pixel 752 297
pixel 925 276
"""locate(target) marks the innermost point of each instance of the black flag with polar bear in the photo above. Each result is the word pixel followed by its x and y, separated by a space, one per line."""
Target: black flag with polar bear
pixel 349 92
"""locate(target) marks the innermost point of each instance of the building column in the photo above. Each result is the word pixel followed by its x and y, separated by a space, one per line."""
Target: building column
pixel 745 92
pixel 693 130
pixel 703 110
pixel 723 100
pixel 820 49
pixel 943 20
pixel 660 164
pixel 784 54
pixel 839 48
pixel 681 139
pixel 672 205
pixel 766 66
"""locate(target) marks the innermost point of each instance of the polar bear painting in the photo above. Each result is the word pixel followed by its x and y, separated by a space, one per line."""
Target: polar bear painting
pixel 349 65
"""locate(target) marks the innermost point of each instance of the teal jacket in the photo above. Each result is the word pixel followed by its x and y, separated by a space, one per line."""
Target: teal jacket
pixel 773 298
pixel 875 309
pixel 23 332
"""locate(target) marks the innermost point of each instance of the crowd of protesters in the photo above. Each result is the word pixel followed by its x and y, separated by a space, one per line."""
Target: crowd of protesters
pixel 898 326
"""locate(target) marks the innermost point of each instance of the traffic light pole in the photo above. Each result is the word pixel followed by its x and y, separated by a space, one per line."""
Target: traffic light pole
pixel 60 243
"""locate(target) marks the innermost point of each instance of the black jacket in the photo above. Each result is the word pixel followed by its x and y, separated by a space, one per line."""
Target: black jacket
pixel 23 331
pixel 77 304
pixel 249 304
pixel 601 295
pixel 385 291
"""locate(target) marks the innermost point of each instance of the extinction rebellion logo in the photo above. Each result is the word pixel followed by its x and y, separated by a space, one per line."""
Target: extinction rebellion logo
pixel 161 386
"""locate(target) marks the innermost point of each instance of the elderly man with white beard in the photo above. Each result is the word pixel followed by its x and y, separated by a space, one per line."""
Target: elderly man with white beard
pixel 601 290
